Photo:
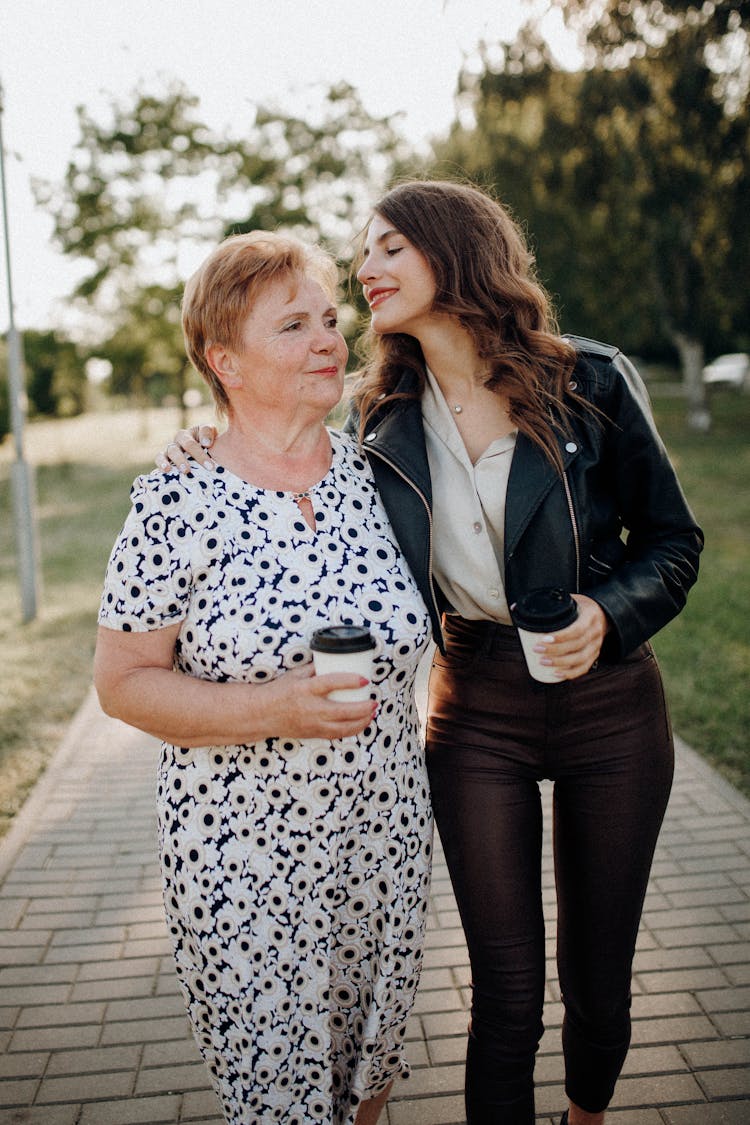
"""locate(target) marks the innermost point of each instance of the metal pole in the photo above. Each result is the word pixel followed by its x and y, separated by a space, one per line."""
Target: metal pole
pixel 22 472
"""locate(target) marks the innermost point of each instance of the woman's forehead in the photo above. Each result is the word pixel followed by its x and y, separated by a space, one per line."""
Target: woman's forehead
pixel 282 294
pixel 378 230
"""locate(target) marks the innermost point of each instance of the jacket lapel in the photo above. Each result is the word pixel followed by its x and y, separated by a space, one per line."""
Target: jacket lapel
pixel 531 478
pixel 399 436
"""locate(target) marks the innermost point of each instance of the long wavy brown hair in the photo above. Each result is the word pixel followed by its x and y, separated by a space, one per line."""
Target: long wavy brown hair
pixel 484 276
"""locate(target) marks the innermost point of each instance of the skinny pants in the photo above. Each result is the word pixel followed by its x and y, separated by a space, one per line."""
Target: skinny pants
pixel 604 739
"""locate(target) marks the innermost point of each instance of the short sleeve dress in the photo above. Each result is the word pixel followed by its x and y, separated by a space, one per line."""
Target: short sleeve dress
pixel 295 873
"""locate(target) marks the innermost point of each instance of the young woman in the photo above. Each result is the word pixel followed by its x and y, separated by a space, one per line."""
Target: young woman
pixel 510 458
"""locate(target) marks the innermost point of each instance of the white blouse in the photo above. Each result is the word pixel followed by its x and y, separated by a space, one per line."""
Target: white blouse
pixel 468 512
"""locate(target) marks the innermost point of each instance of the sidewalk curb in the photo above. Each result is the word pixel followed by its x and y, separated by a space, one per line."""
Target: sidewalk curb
pixel 700 766
pixel 25 819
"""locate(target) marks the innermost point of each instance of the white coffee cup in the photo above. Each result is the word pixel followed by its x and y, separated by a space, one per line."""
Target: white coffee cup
pixel 537 614
pixel 344 648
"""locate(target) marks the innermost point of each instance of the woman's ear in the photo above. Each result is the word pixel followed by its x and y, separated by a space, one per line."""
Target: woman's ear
pixel 224 365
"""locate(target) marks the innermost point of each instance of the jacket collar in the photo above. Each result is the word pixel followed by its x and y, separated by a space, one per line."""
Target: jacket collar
pixel 398 435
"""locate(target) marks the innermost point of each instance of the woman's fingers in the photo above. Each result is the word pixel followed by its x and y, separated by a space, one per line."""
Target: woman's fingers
pixel 188 444
pixel 206 435
pixel 307 711
pixel 351 716
pixel 337 681
pixel 573 651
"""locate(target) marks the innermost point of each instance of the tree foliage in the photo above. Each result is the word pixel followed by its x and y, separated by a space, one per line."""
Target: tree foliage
pixel 692 143
pixel 151 188
pixel 55 377
pixel 632 175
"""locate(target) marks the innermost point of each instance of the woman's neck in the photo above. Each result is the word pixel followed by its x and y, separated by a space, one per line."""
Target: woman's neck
pixel 452 357
pixel 481 414
pixel 290 456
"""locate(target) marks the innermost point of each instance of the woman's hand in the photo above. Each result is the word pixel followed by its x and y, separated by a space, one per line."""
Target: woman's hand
pixel 300 707
pixel 573 651
pixel 193 443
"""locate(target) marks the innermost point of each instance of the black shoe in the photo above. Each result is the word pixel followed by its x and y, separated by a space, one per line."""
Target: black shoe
pixel 564 1118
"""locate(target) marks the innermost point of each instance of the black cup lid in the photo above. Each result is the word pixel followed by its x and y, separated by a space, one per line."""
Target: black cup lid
pixel 547 609
pixel 342 638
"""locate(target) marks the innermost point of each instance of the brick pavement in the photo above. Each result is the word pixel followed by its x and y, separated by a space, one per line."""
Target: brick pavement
pixel 92 1025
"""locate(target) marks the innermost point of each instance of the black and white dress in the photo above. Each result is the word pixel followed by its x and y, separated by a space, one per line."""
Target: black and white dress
pixel 296 873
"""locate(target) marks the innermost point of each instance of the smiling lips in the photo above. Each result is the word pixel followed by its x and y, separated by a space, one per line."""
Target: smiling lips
pixel 376 296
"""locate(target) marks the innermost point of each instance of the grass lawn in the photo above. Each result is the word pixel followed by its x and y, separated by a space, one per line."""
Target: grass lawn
pixel 705 652
pixel 84 470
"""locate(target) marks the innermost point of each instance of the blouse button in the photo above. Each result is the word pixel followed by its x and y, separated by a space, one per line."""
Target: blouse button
pixel 477 527
pixel 570 447
pixel 494 593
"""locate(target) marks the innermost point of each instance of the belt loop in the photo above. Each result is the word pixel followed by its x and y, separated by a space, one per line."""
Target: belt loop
pixel 488 636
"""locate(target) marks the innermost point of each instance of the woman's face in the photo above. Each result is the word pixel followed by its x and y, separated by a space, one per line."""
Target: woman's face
pixel 292 353
pixel 397 280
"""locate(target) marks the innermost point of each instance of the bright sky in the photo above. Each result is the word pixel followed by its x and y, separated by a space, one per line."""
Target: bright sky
pixel 401 55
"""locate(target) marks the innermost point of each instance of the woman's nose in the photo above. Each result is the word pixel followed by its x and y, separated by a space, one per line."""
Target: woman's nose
pixel 366 271
pixel 326 340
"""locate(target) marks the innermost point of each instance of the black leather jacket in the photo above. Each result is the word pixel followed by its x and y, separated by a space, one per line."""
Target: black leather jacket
pixel 616 526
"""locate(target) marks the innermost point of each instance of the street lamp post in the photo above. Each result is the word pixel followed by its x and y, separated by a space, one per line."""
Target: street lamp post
pixel 22 473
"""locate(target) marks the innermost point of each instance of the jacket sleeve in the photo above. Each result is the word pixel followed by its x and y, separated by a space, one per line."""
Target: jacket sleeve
pixel 649 586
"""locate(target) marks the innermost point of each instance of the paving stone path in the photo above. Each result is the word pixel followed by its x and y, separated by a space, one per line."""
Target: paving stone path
pixel 92 1025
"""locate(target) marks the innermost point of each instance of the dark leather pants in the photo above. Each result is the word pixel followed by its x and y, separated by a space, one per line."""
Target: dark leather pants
pixel 492 734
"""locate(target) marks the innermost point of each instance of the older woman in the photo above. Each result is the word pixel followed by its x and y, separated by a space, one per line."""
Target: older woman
pixel 295 830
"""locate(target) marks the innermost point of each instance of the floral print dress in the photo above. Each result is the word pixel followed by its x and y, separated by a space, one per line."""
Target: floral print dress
pixel 295 872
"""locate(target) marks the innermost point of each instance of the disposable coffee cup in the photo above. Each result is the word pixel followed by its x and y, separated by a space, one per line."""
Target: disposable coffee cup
pixel 538 613
pixel 344 648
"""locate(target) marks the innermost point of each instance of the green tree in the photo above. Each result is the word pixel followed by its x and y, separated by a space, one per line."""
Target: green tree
pixel 150 189
pixel 692 180
pixel 316 175
pixel 564 175
pixel 55 375
pixel 632 176
pixel 146 351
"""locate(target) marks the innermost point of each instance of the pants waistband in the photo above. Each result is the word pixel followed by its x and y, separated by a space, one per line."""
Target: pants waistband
pixel 483 635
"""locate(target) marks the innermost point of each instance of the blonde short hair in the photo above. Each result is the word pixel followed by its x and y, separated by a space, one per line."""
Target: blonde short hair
pixel 218 297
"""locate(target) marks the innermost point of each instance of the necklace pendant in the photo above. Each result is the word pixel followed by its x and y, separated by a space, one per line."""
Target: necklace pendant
pixel 458 409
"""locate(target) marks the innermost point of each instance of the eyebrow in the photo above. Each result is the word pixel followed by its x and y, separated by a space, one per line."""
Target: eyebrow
pixel 381 238
pixel 304 314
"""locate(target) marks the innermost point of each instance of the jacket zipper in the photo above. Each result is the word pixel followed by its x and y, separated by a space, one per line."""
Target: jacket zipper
pixel 574 525
pixel 423 498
